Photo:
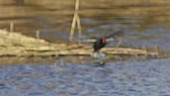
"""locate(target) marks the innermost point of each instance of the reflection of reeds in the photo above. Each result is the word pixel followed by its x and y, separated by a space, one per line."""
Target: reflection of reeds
pixel 76 19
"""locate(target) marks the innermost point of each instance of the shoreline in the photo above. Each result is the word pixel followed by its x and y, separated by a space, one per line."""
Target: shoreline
pixel 16 45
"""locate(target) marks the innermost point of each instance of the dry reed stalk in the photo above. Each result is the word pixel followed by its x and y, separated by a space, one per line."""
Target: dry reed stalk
pixel 11 27
pixel 76 19
pixel 37 35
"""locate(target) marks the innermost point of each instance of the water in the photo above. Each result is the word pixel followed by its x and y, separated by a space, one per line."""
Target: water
pixel 130 78
pixel 144 24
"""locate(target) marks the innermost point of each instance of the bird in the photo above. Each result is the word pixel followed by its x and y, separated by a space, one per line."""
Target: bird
pixel 102 42
pixel 97 46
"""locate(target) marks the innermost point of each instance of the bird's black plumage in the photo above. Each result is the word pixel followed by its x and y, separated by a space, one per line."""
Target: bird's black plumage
pixel 99 44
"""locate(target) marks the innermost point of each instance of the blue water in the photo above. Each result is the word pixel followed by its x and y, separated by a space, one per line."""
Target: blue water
pixel 128 78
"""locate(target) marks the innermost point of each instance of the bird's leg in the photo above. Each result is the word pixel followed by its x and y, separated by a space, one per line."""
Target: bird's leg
pixel 99 57
pixel 94 55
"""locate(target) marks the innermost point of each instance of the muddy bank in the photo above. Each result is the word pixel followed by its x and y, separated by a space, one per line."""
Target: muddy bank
pixel 59 9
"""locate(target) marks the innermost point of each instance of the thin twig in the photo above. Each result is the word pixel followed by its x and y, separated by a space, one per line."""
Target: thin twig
pixel 38 35
pixel 11 27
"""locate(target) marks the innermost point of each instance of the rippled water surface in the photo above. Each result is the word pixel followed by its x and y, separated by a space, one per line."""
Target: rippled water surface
pixel 134 78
